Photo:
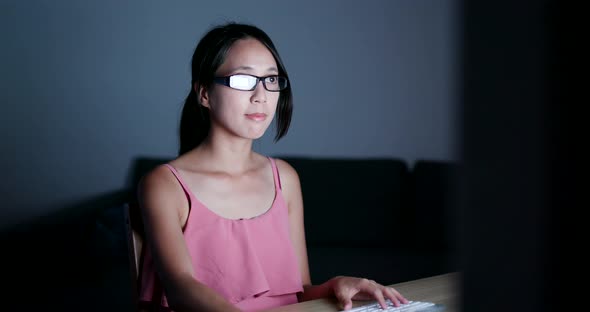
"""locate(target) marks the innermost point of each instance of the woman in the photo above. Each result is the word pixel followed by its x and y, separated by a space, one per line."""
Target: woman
pixel 224 224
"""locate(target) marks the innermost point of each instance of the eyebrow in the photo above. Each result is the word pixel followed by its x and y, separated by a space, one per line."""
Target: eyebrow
pixel 270 69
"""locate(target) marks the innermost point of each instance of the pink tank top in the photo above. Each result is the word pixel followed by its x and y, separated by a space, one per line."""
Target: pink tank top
pixel 250 262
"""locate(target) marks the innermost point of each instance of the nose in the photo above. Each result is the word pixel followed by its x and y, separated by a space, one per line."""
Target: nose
pixel 259 93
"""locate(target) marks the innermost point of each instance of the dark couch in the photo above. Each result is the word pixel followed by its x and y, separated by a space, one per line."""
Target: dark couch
pixel 377 218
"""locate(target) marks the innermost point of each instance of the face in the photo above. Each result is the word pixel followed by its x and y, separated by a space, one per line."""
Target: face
pixel 246 114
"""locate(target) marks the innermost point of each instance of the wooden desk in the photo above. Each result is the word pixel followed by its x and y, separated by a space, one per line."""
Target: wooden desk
pixel 443 289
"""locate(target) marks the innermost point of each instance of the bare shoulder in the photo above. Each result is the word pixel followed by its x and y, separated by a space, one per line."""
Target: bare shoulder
pixel 158 179
pixel 288 174
pixel 290 184
pixel 159 188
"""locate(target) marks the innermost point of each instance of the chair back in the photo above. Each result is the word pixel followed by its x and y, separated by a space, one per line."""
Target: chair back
pixel 134 247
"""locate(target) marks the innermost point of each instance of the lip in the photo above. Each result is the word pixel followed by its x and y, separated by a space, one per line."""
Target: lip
pixel 256 116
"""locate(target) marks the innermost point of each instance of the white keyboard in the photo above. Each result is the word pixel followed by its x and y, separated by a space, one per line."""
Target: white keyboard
pixel 411 306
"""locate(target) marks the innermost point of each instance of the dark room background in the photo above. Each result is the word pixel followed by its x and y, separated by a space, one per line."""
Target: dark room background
pixel 89 87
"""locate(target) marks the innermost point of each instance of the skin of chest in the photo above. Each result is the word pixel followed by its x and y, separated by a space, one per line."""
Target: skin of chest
pixel 234 197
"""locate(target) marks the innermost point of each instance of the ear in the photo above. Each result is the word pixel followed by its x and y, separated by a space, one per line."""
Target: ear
pixel 202 94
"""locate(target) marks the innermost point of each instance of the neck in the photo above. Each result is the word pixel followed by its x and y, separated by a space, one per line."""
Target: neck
pixel 231 156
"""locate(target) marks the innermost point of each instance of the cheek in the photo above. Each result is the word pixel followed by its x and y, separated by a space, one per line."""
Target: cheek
pixel 274 100
pixel 223 103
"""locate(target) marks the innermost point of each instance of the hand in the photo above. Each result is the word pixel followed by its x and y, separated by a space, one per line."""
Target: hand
pixel 347 289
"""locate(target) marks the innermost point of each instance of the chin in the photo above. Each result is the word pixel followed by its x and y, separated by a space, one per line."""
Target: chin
pixel 256 134
pixel 256 137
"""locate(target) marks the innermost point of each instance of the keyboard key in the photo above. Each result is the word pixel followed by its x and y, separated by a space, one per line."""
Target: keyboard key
pixel 412 306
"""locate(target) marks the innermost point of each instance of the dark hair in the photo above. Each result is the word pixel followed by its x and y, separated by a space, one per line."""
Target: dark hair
pixel 209 55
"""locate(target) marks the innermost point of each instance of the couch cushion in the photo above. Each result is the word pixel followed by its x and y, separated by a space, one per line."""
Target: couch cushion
pixel 353 202
pixel 434 198
pixel 386 265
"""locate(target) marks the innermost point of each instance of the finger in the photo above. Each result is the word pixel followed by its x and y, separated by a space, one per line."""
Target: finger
pixel 373 288
pixel 397 295
pixel 346 303
pixel 378 294
pixel 390 293
pixel 345 299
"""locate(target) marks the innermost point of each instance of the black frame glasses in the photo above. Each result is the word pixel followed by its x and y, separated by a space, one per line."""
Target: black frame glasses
pixel 244 82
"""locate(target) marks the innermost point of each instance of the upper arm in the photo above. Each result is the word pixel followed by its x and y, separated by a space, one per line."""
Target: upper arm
pixel 291 188
pixel 162 201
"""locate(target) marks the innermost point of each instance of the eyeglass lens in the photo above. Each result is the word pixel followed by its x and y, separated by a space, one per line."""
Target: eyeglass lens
pixel 247 82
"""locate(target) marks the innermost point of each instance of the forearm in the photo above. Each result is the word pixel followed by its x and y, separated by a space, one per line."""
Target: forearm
pixel 311 292
pixel 190 295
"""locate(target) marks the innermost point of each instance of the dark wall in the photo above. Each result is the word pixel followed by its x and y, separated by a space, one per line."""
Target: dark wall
pixel 519 168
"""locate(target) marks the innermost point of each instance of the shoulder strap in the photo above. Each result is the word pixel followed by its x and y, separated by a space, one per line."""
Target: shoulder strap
pixel 275 172
pixel 184 187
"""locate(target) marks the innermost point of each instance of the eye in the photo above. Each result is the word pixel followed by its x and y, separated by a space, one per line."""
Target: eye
pixel 272 79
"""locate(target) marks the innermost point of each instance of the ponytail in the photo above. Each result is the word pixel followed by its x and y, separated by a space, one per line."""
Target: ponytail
pixel 194 123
